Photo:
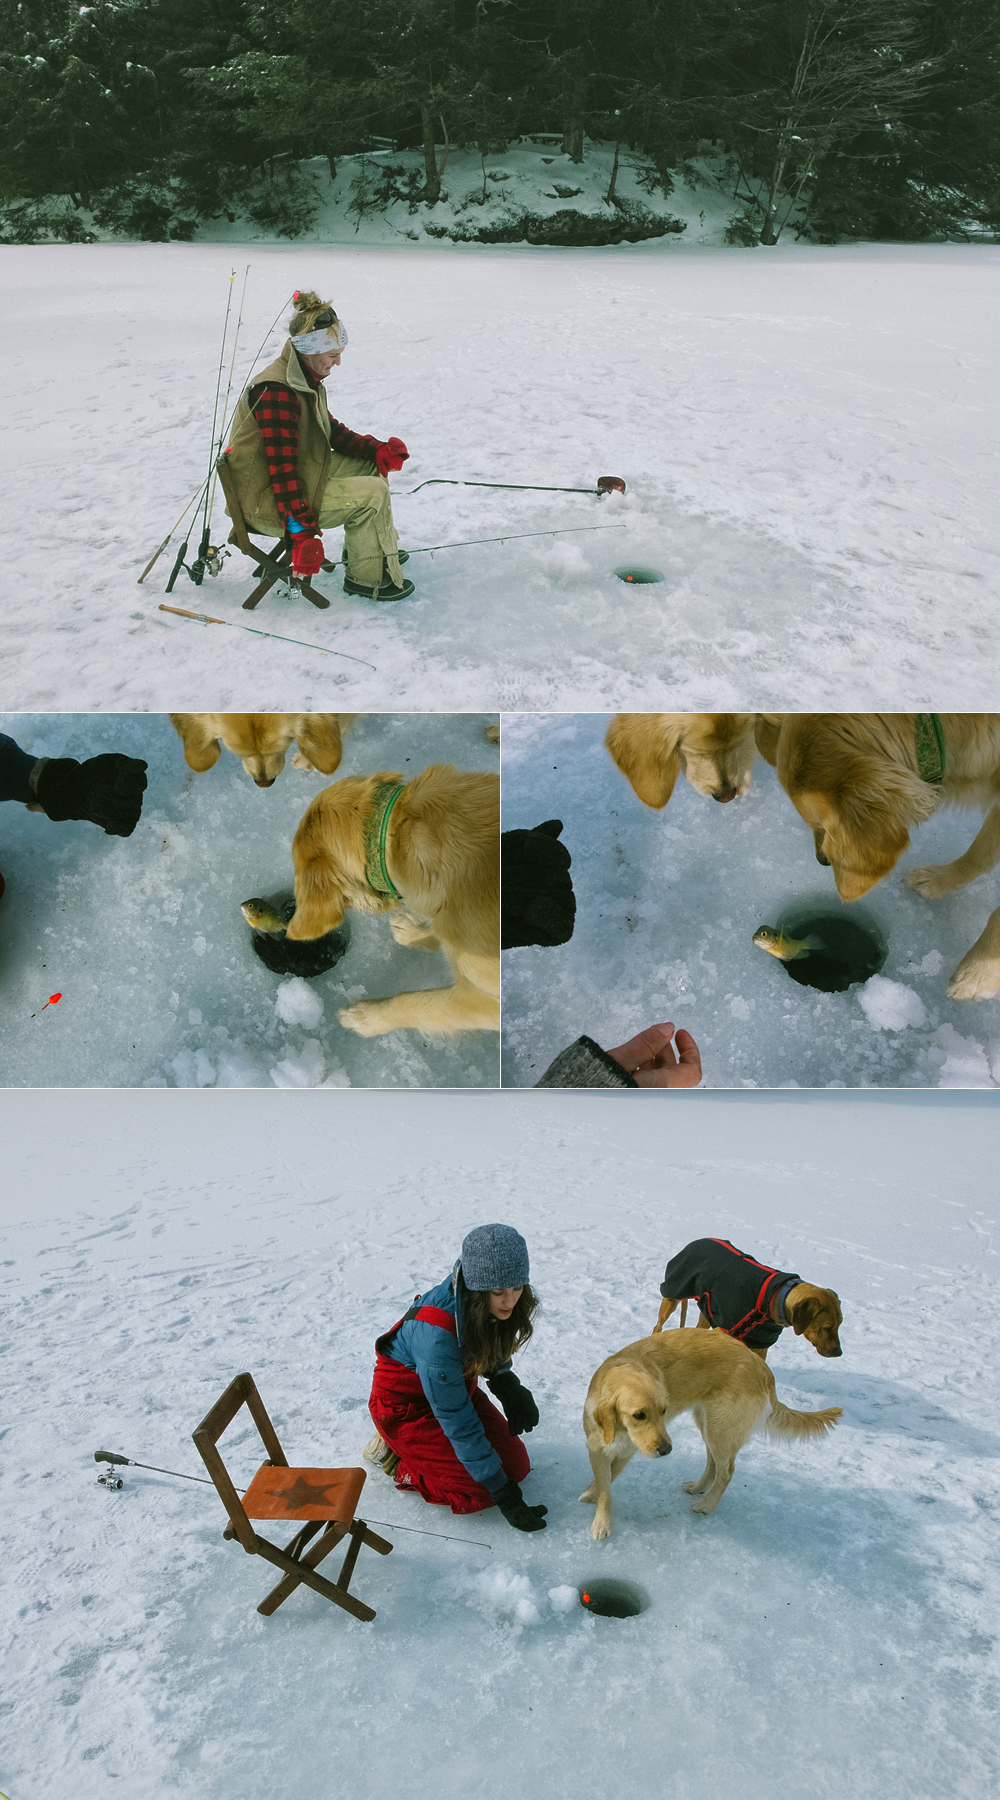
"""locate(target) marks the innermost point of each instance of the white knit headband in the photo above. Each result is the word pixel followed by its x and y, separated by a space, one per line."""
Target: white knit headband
pixel 321 342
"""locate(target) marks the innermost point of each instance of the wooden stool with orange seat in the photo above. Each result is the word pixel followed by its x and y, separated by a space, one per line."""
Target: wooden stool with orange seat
pixel 317 1496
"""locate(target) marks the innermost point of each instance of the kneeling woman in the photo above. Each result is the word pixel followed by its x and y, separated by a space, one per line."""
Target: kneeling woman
pixel 443 1436
pixel 298 470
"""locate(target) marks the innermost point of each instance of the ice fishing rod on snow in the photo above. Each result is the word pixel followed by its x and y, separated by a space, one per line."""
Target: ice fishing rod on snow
pixel 207 557
pixel 466 543
pixel 195 498
pixel 115 1482
pixel 606 484
pixel 205 619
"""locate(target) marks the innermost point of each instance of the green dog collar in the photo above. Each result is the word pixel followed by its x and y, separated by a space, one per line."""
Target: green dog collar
pixel 930 748
pixel 376 873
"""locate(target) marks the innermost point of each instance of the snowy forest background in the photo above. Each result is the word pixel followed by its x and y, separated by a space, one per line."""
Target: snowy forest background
pixel 146 119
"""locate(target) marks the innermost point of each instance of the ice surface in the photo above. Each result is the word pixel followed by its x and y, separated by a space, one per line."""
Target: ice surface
pixel 668 902
pixel 830 1631
pixel 144 936
pixel 804 432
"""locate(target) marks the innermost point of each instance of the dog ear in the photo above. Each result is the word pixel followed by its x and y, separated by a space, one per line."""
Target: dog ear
pixel 202 748
pixel 318 737
pixel 766 732
pixel 606 1416
pixel 804 1314
pixel 645 750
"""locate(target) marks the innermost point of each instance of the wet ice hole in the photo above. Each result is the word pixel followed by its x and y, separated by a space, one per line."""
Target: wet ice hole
pixel 854 945
pixel 612 1599
pixel 640 577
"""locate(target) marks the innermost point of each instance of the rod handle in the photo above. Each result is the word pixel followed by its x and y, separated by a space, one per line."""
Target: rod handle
pixel 109 1456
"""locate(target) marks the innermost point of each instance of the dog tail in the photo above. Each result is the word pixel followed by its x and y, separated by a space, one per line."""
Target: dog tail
pixel 783 1422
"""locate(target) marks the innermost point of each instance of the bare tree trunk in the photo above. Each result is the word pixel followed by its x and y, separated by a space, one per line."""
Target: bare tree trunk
pixel 572 143
pixel 609 198
pixel 333 168
pixel 432 185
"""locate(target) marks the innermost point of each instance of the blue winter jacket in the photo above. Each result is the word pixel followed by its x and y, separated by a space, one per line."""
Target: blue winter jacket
pixel 437 1359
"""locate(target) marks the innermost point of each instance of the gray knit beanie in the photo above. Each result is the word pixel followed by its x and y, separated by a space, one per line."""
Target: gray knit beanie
pixel 494 1257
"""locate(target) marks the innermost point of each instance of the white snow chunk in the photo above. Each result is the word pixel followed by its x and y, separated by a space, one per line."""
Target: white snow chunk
pixel 199 945
pixel 298 1004
pixel 193 1069
pixel 303 1070
pixel 965 1064
pixel 739 1007
pixel 563 1599
pixel 891 1005
pixel 931 964
pixel 502 1594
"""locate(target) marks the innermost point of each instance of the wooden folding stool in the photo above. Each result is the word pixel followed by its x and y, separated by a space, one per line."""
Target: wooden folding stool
pixel 271 565
pixel 317 1496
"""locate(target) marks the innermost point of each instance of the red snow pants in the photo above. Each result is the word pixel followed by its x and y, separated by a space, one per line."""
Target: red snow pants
pixel 403 1418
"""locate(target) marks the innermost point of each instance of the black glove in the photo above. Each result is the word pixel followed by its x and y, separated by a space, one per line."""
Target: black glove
pixel 538 904
pixel 517 1512
pixel 107 790
pixel 517 1402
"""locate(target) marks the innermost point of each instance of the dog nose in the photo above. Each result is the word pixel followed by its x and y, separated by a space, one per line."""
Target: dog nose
pixel 724 794
pixel 663 1449
pixel 264 780
pixel 823 860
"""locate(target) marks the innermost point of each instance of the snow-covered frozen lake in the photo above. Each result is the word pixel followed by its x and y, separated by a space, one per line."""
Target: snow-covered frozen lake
pixel 144 940
pixel 807 435
pixel 831 1631
pixel 667 904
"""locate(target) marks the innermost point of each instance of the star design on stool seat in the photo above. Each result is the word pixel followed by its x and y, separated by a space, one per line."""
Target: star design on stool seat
pixel 302 1493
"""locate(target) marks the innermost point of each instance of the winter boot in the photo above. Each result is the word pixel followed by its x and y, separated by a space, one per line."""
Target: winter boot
pixel 381 590
pixel 377 1451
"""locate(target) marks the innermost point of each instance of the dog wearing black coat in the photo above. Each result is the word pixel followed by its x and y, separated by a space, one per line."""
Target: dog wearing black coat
pixel 747 1299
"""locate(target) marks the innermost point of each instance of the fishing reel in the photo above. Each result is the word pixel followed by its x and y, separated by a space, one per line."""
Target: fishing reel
pixel 208 561
pixel 110 1478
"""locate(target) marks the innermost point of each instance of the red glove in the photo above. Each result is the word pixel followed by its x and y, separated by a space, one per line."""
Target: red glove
pixel 307 554
pixel 391 456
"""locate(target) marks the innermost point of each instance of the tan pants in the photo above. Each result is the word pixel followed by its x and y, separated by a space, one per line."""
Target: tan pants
pixel 357 498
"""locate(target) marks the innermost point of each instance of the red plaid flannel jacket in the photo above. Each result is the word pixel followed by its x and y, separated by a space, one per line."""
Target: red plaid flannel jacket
pixel 276 411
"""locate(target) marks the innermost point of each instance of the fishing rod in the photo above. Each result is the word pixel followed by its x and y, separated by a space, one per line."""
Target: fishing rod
pixel 229 389
pixel 196 497
pixel 204 547
pixel 111 1481
pixel 206 619
pixel 466 543
pixel 606 484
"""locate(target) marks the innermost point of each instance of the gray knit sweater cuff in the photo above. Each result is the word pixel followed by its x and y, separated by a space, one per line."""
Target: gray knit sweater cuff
pixel 585 1064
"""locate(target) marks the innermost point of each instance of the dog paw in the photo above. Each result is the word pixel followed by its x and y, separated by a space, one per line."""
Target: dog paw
pixel 601 1528
pixel 931 880
pixel 588 1497
pixel 691 1487
pixel 404 928
pixel 302 762
pixel 366 1017
pixel 976 978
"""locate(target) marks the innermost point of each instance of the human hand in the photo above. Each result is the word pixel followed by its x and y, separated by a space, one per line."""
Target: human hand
pixel 391 456
pixel 107 790
pixel 517 1401
pixel 307 555
pixel 516 1510
pixel 649 1058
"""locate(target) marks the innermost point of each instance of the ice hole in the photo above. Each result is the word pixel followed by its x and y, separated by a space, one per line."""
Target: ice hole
pixel 853 946
pixel 640 577
pixel 611 1599
pixel 308 958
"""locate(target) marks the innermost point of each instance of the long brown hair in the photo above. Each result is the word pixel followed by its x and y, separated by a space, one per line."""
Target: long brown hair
pixel 487 1341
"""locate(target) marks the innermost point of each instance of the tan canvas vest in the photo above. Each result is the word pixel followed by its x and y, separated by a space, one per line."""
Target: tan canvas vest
pixel 248 458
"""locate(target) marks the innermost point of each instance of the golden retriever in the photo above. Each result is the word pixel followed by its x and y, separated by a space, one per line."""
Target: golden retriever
pixel 853 778
pixel 813 1312
pixel 261 740
pixel 714 750
pixel 443 857
pixel 638 1390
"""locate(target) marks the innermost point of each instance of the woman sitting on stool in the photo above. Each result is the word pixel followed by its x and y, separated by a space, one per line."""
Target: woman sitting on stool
pixel 297 469
pixel 437 1433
